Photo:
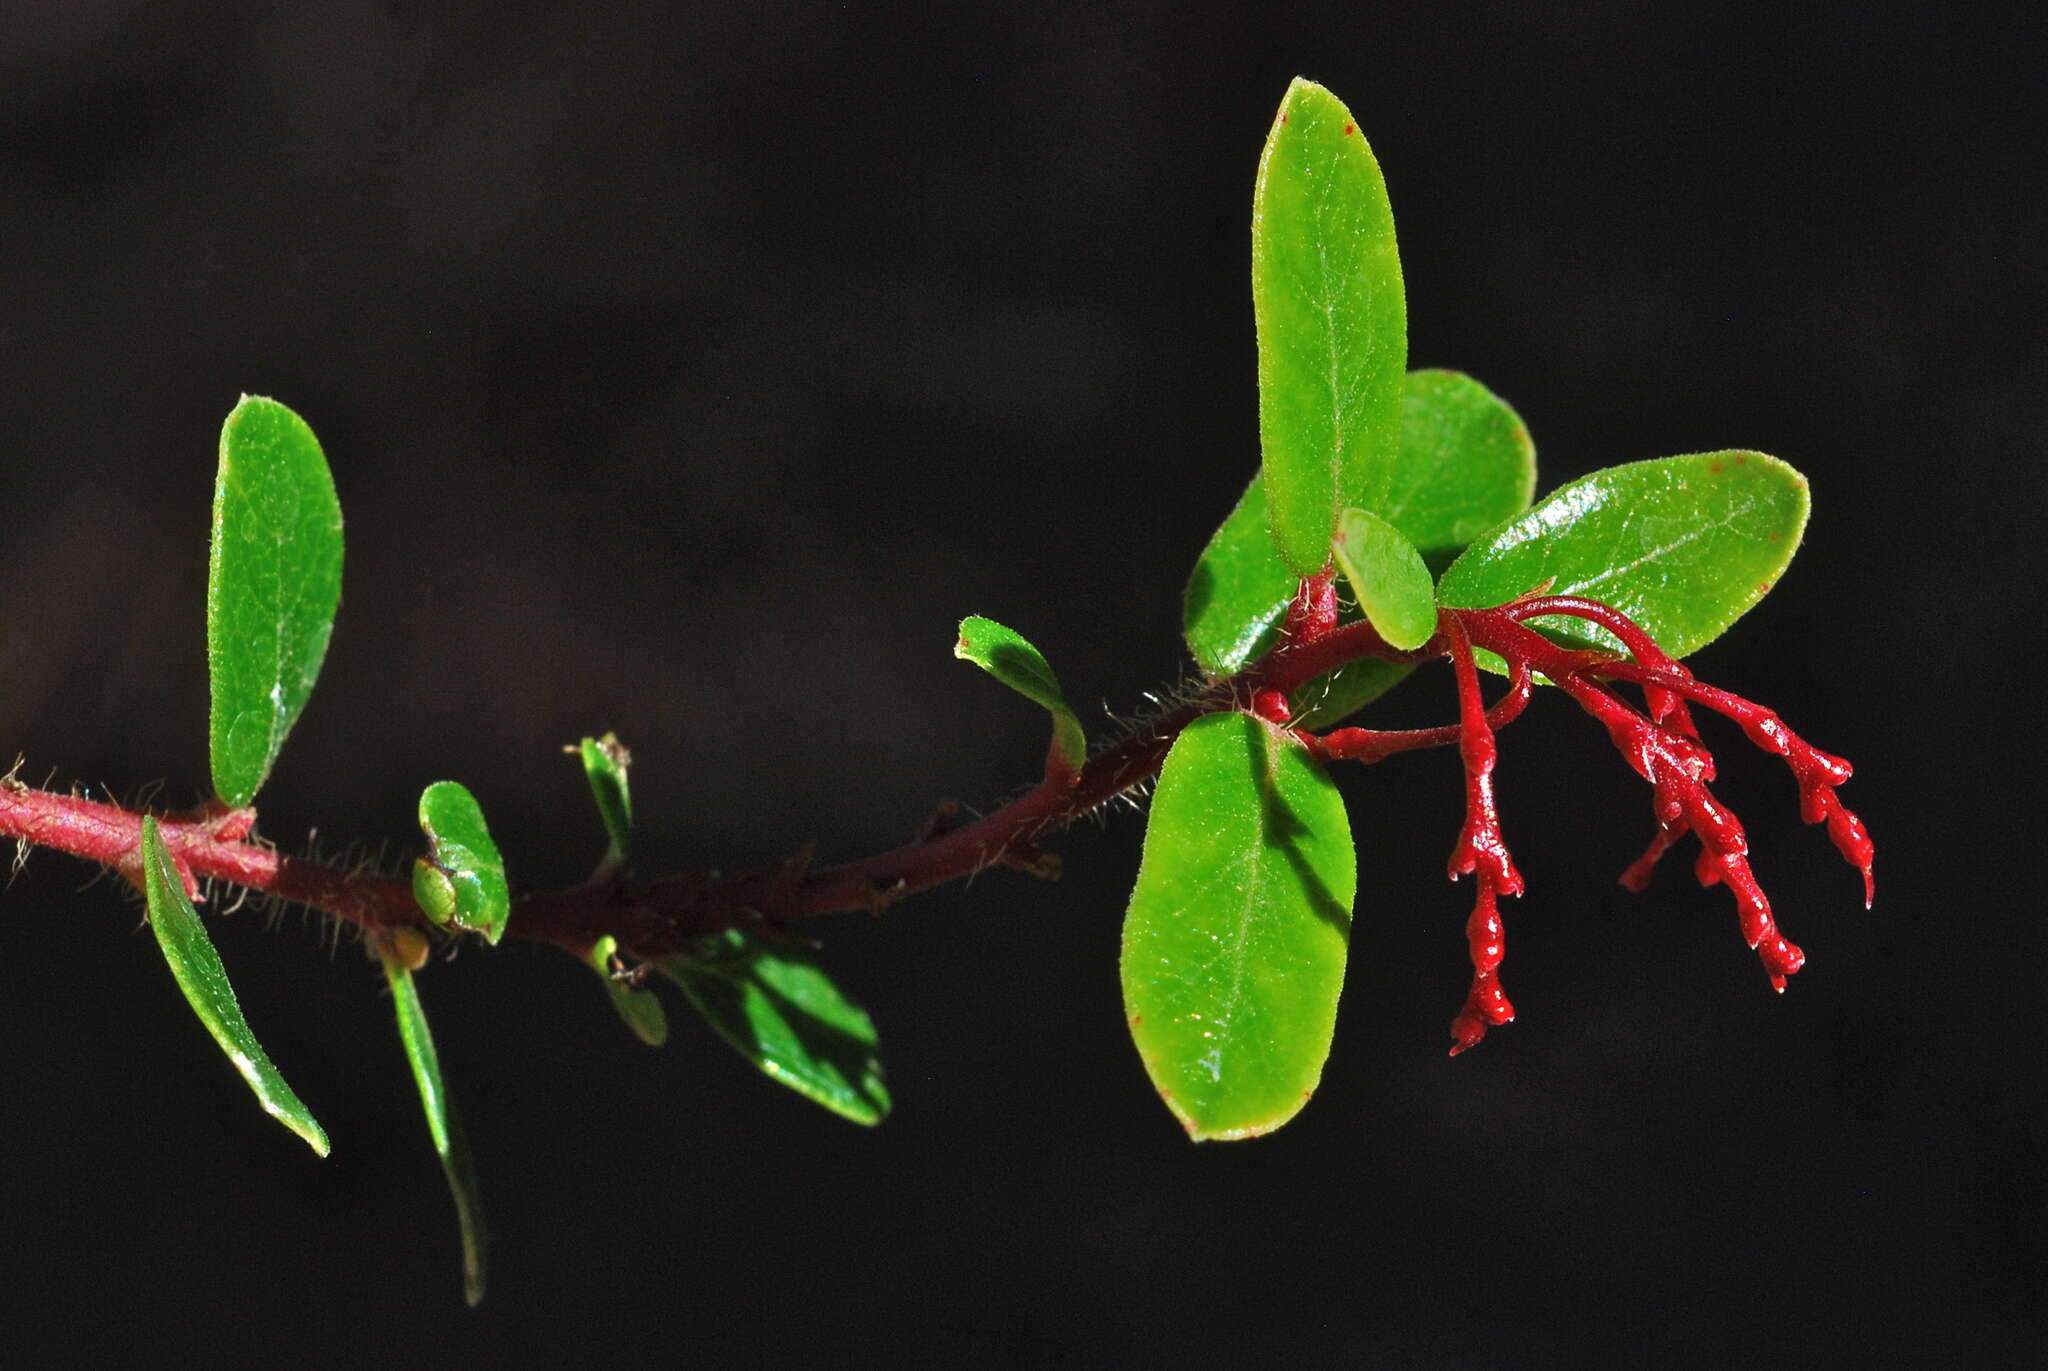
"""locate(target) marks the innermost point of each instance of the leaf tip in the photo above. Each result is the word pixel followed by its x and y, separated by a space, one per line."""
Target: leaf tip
pixel 313 1133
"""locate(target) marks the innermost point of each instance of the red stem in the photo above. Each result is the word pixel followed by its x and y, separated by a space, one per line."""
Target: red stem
pixel 1480 852
pixel 651 919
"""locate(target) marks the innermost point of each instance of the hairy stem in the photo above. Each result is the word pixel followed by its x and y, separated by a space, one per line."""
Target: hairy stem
pixel 649 919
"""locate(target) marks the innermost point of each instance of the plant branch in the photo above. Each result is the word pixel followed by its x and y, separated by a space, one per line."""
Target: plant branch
pixel 650 919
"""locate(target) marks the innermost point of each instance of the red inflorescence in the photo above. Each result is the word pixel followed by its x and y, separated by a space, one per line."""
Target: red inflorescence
pixel 1659 740
pixel 1480 852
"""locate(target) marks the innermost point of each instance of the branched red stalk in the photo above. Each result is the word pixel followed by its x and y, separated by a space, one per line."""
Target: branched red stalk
pixel 1678 766
pixel 653 918
pixel 1481 852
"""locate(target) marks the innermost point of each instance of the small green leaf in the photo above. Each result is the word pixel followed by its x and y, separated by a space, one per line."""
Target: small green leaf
pixel 1388 577
pixel 273 583
pixel 1234 946
pixel 1239 592
pixel 1466 464
pixel 605 761
pixel 639 1008
pixel 460 883
pixel 183 937
pixel 1234 606
pixel 1332 324
pixel 778 1007
pixel 444 1126
pixel 1336 695
pixel 433 892
pixel 1004 654
pixel 1682 545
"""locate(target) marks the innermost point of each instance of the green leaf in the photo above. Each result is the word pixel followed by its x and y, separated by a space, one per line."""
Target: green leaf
pixel 1236 601
pixel 1239 592
pixel 273 583
pixel 197 967
pixel 604 762
pixel 1234 946
pixel 1682 545
pixel 1004 654
pixel 1466 464
pixel 460 883
pixel 1332 324
pixel 639 1008
pixel 1388 577
pixel 1336 695
pixel 776 1005
pixel 443 1124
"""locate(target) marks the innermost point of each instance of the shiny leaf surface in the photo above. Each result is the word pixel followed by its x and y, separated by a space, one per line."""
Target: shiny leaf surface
pixel 1004 654
pixel 273 583
pixel 1387 575
pixel 199 973
pixel 1332 324
pixel 1683 545
pixel 443 1125
pixel 460 883
pixel 1234 945
pixel 774 1003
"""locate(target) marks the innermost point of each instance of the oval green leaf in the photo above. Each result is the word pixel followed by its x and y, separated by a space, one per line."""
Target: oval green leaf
pixel 1234 946
pixel 444 1126
pixel 462 860
pixel 604 763
pixel 637 1007
pixel 1239 592
pixel 273 583
pixel 776 1005
pixel 197 968
pixel 1466 464
pixel 1004 654
pixel 1387 575
pixel 1332 324
pixel 1682 545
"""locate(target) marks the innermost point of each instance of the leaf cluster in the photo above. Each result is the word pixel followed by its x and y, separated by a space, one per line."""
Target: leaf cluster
pixel 1235 941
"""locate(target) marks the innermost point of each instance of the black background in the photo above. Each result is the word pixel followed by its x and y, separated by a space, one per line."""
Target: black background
pixel 689 370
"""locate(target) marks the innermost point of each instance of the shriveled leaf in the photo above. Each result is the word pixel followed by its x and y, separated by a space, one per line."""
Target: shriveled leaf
pixel 1387 575
pixel 1234 945
pixel 638 1007
pixel 1466 464
pixel 1682 545
pixel 460 883
pixel 1004 654
pixel 1332 324
pixel 197 967
pixel 443 1125
pixel 776 1005
pixel 273 583
pixel 604 762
